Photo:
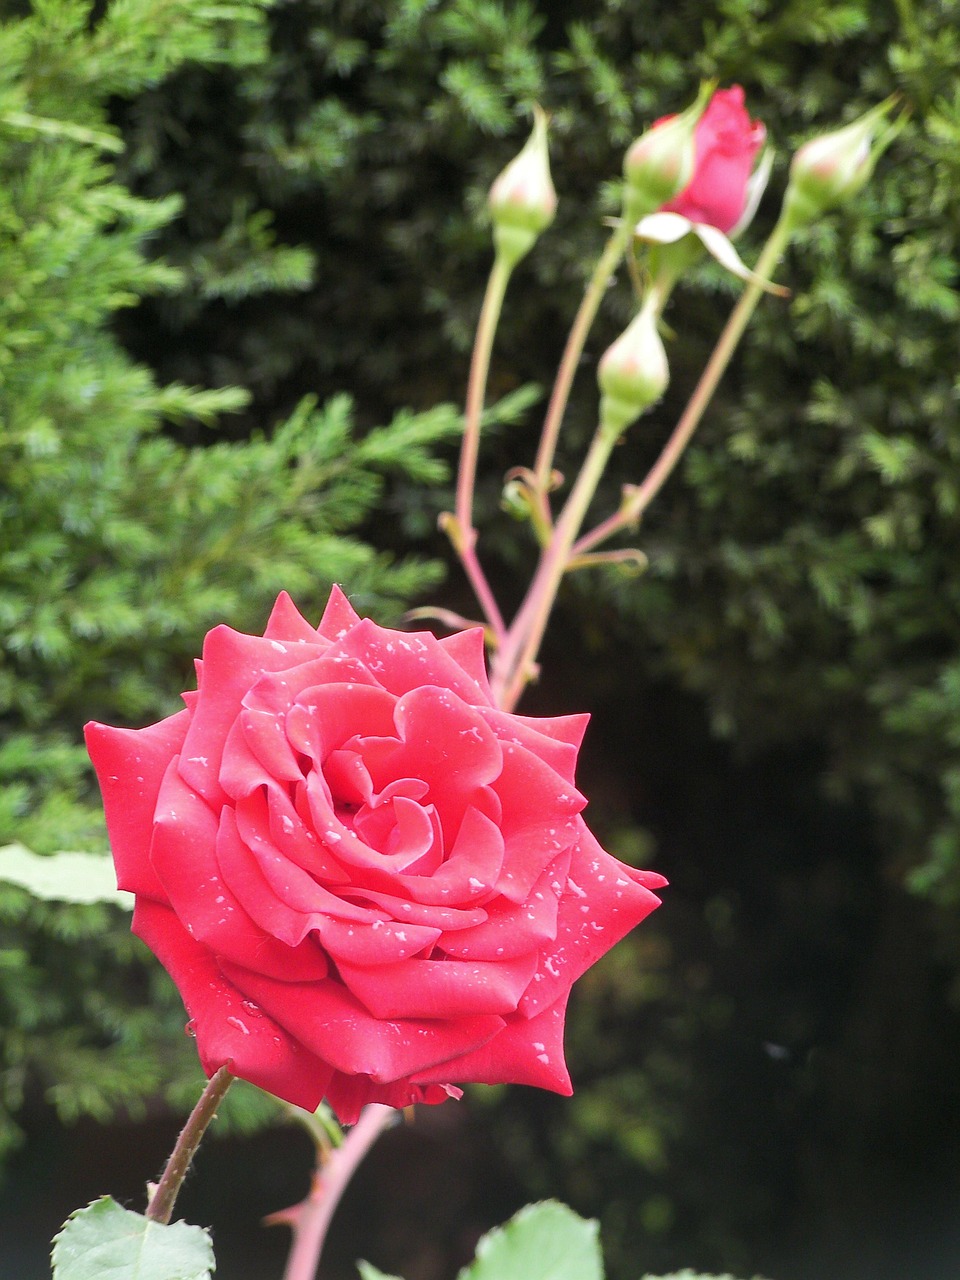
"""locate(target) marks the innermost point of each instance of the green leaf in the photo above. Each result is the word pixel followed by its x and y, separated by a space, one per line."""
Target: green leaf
pixel 368 1272
pixel 106 1242
pixel 545 1241
pixel 63 877
pixel 690 1275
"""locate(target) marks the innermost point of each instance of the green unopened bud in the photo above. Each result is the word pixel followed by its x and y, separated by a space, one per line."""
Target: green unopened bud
pixel 522 199
pixel 828 170
pixel 633 373
pixel 661 162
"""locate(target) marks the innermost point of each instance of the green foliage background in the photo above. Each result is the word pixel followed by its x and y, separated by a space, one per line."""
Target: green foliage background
pixel 217 220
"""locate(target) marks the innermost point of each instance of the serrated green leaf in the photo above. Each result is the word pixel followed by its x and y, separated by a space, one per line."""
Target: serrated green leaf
pixel 545 1241
pixel 107 1242
pixel 369 1272
pixel 63 877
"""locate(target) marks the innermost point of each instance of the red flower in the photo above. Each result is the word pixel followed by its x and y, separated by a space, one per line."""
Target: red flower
pixel 726 142
pixel 367 882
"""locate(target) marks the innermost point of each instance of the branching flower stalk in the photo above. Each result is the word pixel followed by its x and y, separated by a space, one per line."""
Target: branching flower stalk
pixel 640 496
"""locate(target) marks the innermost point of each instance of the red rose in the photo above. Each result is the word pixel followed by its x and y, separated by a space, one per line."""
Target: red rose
pixel 726 141
pixel 367 882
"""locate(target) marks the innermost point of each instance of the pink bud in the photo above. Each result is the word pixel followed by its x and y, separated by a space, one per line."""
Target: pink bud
pixel 831 169
pixel 522 199
pixel 633 373
pixel 660 163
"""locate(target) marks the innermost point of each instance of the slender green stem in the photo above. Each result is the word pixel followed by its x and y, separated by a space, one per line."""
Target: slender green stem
pixel 641 497
pixel 515 660
pixel 164 1197
pixel 590 304
pixel 464 535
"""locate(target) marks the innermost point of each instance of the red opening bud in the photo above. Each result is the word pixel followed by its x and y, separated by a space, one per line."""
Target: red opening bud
pixel 726 142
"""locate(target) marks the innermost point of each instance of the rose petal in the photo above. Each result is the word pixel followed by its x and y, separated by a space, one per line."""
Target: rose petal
pixel 184 854
pixel 130 765
pixel 602 901
pixel 524 1052
pixel 468 651
pixel 256 752
pixel 339 615
pixel 232 662
pixel 348 1095
pixel 289 834
pixel 327 716
pixel 286 622
pixel 297 889
pixel 230 1030
pixel 471 870
pixel 334 1025
pixel 513 929
pixel 380 943
pixel 244 878
pixel 406 660
pixel 444 918
pixel 441 988
pixel 556 739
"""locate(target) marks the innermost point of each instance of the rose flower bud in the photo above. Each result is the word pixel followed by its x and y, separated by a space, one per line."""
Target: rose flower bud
pixel 659 164
pixel 830 169
pixel 633 373
pixel 368 883
pixel 522 200
pixel 726 142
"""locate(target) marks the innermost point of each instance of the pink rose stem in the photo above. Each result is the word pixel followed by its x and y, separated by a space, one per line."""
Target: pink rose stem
pixel 593 295
pixel 514 661
pixel 311 1218
pixel 167 1189
pixel 464 535
pixel 643 494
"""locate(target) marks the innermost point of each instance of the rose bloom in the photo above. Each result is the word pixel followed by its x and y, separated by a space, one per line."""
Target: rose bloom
pixel 726 142
pixel 367 882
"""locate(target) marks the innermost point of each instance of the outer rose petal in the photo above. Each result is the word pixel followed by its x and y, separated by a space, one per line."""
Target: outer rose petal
pixel 230 1031
pixel 130 765
pixel 335 1026
pixel 338 617
pixel 468 650
pixel 526 1051
pixel 286 622
pixel 407 660
pixel 232 663
pixel 440 989
pixel 348 1095
pixel 603 901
